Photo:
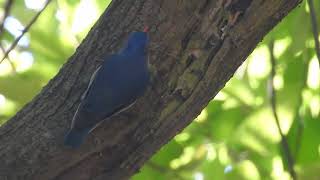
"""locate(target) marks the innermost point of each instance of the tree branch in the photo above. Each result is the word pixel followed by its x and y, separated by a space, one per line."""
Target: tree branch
pixel 32 141
pixel 9 60
pixel 7 9
pixel 284 141
pixel 26 29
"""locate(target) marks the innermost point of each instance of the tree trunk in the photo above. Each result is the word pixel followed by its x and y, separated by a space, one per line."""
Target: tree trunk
pixel 194 52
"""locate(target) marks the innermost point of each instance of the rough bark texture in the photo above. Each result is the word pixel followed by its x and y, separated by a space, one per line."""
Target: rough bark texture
pixel 184 82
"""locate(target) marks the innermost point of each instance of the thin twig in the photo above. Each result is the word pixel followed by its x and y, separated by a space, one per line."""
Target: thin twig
pixel 7 9
pixel 26 29
pixel 315 31
pixel 13 67
pixel 284 141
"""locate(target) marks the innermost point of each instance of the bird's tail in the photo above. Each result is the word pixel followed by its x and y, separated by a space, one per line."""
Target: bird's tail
pixel 75 138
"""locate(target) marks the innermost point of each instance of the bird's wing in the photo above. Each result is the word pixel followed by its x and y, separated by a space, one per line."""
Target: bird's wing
pixel 100 98
pixel 85 94
pixel 112 88
pixel 117 111
pixel 90 83
pixel 83 119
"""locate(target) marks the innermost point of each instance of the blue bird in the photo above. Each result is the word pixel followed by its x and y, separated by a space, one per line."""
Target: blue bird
pixel 113 87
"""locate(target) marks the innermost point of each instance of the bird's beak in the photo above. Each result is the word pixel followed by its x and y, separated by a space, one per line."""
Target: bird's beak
pixel 146 29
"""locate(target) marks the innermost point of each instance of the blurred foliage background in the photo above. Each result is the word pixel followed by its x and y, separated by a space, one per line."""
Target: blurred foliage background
pixel 235 136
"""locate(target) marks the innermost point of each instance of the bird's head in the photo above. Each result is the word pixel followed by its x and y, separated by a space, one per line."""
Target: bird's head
pixel 137 42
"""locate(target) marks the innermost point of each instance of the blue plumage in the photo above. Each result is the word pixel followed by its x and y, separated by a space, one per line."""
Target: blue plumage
pixel 114 86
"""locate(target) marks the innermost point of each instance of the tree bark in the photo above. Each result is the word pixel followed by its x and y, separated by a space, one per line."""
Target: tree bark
pixel 191 60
